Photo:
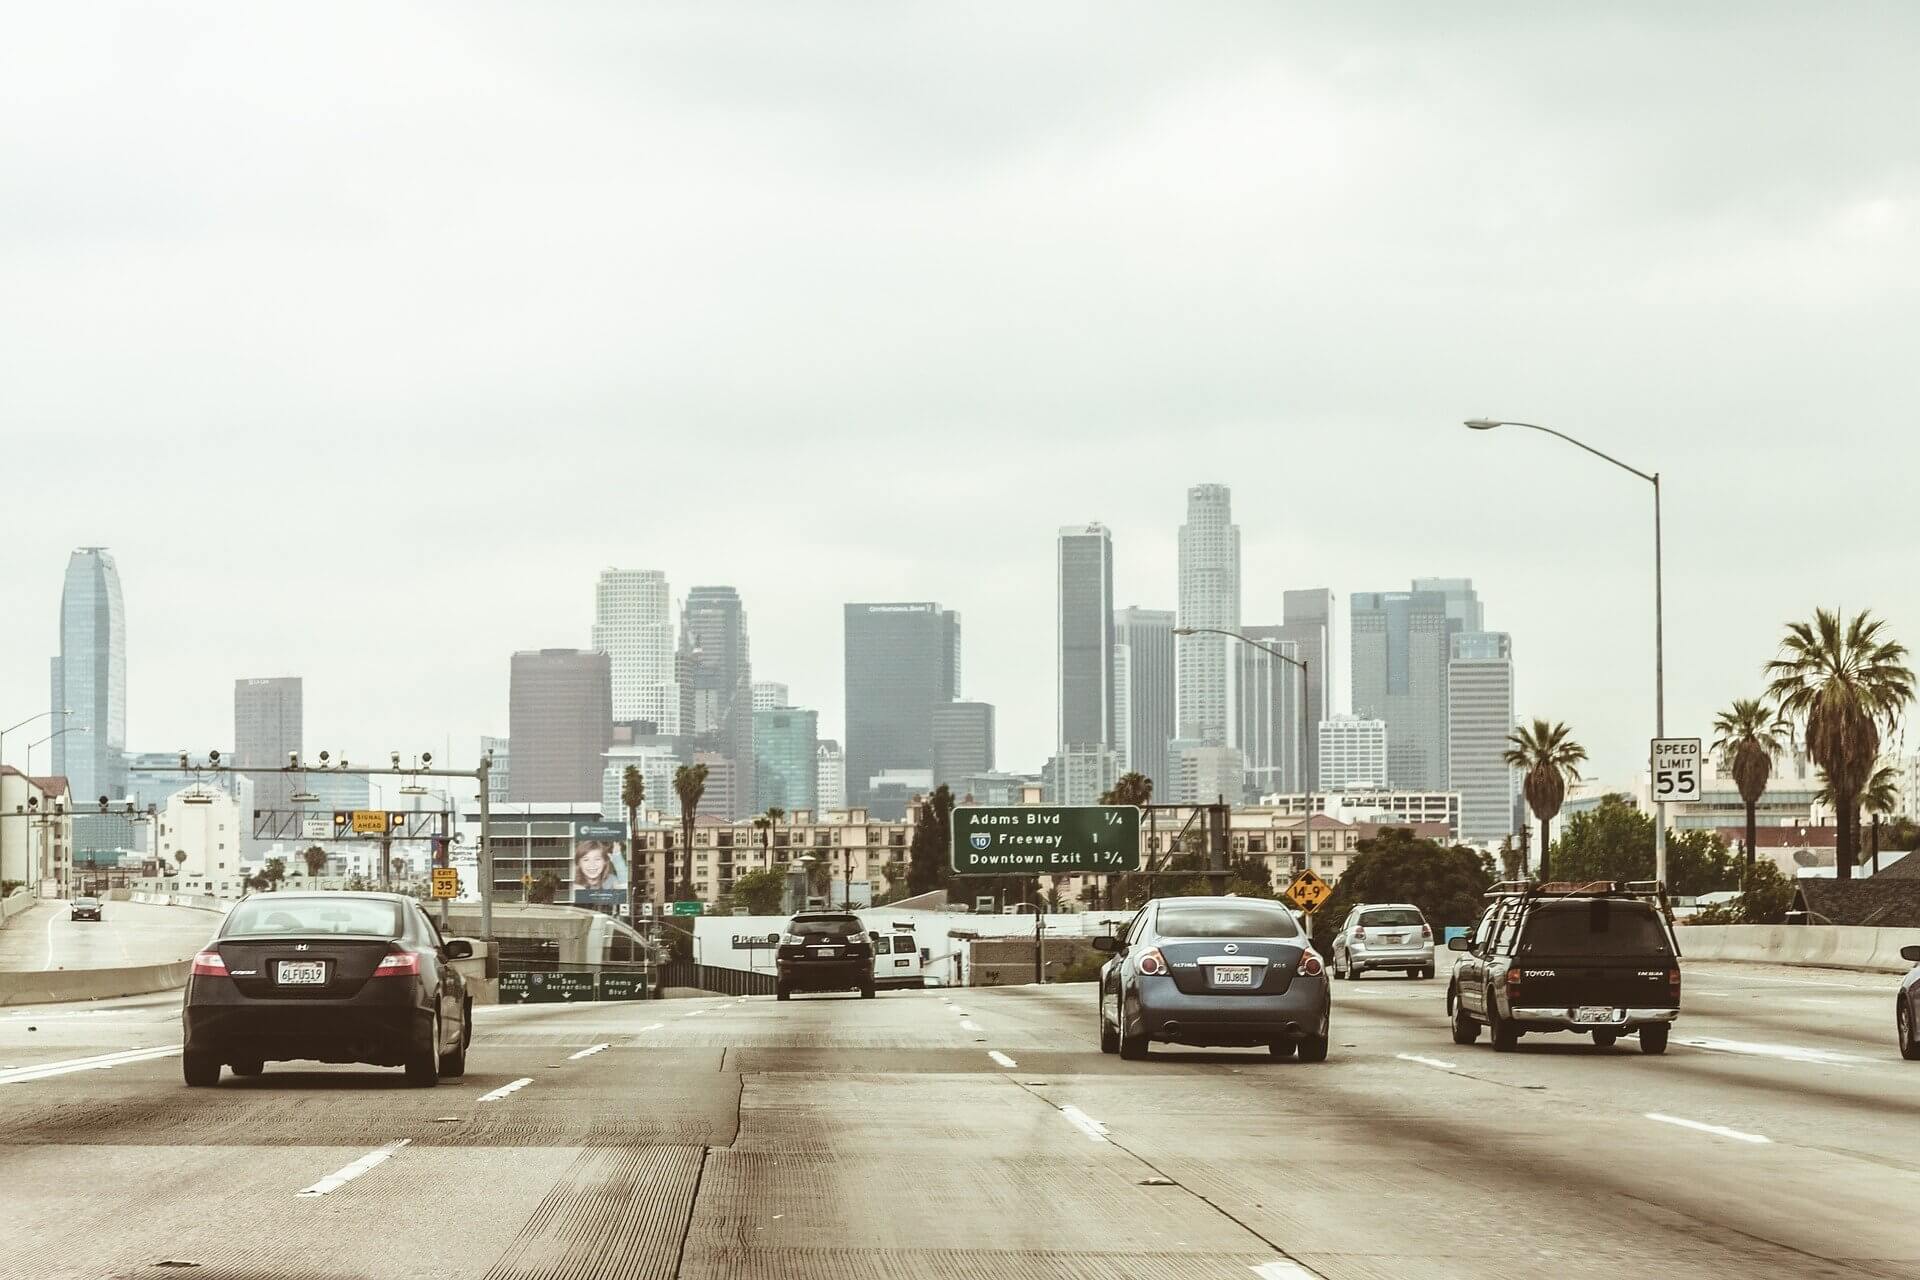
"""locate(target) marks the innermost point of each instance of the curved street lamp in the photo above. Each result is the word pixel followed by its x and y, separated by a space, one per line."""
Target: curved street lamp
pixel 1659 657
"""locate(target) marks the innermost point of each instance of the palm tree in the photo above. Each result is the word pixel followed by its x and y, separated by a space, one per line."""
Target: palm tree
pixel 1548 759
pixel 689 783
pixel 1130 788
pixel 316 859
pixel 1842 684
pixel 1748 739
pixel 1881 796
pixel 769 822
pixel 633 794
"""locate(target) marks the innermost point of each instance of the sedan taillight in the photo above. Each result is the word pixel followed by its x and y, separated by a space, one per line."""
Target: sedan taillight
pixel 1310 965
pixel 1359 933
pixel 398 965
pixel 1151 961
pixel 209 964
pixel 1426 933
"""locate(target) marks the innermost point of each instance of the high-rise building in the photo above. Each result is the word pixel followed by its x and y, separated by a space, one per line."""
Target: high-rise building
pixel 1307 620
pixel 90 680
pixel 902 661
pixel 768 694
pixel 1207 692
pixel 500 774
pixel 1144 697
pixel 722 793
pixel 1400 653
pixel 1080 774
pixel 560 721
pixel 1353 754
pixel 962 741
pixel 830 777
pixel 1269 727
pixel 1205 772
pixel 633 626
pixel 1084 659
pixel 1464 610
pixel 786 745
pixel 1479 718
pixel 267 728
pixel 713 627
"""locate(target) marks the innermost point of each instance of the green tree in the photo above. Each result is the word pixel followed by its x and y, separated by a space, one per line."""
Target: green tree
pixel 1447 882
pixel 1130 788
pixel 633 794
pixel 1843 684
pixel 1748 738
pixel 275 871
pixel 1615 842
pixel 1548 759
pixel 1880 798
pixel 1765 894
pixel 761 891
pixel 546 886
pixel 316 859
pixel 929 858
pixel 689 784
pixel 259 884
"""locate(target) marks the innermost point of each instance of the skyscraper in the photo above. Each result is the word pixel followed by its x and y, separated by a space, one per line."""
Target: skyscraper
pixel 770 694
pixel 1479 718
pixel 1400 653
pixel 560 722
pixel 1463 603
pixel 713 628
pixel 90 680
pixel 962 741
pixel 902 661
pixel 830 776
pixel 1084 659
pixel 1207 692
pixel 1144 703
pixel 1353 754
pixel 1307 620
pixel 267 725
pixel 786 755
pixel 633 626
pixel 1269 726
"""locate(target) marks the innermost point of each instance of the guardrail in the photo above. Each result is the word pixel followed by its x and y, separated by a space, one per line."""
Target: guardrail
pixel 710 977
pixel 56 986
pixel 14 903
pixel 1817 946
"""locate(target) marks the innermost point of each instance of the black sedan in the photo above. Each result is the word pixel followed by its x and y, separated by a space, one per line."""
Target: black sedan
pixel 84 909
pixel 1906 1011
pixel 824 951
pixel 331 977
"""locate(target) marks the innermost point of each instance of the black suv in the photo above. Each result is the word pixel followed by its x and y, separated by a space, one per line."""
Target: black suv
pixel 1595 959
pixel 824 951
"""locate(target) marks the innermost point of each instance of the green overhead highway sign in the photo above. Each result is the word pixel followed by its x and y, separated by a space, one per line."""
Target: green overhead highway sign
pixel 1045 839
pixel 688 908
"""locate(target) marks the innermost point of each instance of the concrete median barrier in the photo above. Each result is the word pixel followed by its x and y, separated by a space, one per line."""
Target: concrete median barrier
pixel 58 986
pixel 1815 946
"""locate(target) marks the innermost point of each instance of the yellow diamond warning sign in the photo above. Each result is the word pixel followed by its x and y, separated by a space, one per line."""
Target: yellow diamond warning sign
pixel 1308 891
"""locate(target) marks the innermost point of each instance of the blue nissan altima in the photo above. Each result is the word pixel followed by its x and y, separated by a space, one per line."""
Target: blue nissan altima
pixel 1214 971
pixel 1906 1010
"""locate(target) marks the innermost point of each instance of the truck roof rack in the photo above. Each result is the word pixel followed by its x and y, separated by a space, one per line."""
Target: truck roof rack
pixel 1648 890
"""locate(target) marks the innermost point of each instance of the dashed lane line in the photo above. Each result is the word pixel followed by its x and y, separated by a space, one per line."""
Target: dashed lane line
pixel 99 1062
pixel 968 1024
pixel 588 1052
pixel 1283 1270
pixel 1719 1131
pixel 653 1026
pixel 372 1160
pixel 1785 1052
pixel 505 1089
pixel 1428 1062
pixel 1085 1123
pixel 1002 1059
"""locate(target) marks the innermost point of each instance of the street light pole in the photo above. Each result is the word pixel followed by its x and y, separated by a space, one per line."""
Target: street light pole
pixel 1659 640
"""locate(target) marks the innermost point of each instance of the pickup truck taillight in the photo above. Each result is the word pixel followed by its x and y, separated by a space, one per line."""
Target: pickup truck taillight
pixel 1513 977
pixel 1673 981
pixel 209 964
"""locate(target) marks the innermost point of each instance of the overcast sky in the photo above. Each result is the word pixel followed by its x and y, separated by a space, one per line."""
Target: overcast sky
pixel 365 335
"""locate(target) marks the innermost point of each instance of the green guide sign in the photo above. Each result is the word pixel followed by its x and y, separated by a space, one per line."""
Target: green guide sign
pixel 1045 839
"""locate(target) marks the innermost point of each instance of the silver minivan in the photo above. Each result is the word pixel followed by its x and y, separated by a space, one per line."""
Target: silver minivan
pixel 1383 935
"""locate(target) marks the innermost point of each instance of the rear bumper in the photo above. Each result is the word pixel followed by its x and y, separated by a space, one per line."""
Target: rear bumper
pixel 1205 1018
pixel 825 975
pixel 372 1027
pixel 1410 958
pixel 1561 1019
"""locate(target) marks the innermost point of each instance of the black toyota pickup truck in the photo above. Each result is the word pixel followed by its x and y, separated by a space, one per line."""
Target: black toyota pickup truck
pixel 1596 959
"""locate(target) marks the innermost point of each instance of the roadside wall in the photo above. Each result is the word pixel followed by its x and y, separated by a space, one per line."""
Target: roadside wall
pixel 16 902
pixel 1821 946
pixel 60 985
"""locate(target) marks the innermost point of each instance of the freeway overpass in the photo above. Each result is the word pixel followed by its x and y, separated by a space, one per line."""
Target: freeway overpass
pixel 980 1134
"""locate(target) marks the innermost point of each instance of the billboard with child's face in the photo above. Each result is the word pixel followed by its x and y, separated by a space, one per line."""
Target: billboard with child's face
pixel 599 862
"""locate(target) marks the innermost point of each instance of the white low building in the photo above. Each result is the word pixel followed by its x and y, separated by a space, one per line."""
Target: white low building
pixel 201 833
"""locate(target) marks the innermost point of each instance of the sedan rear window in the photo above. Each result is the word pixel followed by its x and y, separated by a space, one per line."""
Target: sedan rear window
pixel 1225 920
pixel 825 928
pixel 270 914
pixel 1597 928
pixel 1401 917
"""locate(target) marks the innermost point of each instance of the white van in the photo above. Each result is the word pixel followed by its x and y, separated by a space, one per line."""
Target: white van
pixel 897 961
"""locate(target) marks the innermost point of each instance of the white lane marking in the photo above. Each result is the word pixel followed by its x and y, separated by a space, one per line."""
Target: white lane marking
pixel 653 1026
pixel 1085 1123
pixel 99 1062
pixel 968 1024
pixel 1788 1052
pixel 1717 1130
pixel 1283 1271
pixel 506 1089
pixel 51 921
pixel 371 1160
pixel 1002 1059
pixel 959 1011
pixel 588 1052
pixel 696 1013
pixel 1428 1062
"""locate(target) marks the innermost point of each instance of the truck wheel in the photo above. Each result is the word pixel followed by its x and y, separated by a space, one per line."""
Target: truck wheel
pixel 1653 1039
pixel 1465 1029
pixel 1506 1037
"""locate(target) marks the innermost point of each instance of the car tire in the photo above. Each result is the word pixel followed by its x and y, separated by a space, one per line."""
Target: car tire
pixel 1903 1031
pixel 1283 1049
pixel 1132 1047
pixel 1427 972
pixel 454 1065
pixel 247 1068
pixel 1314 1048
pixel 782 992
pixel 1465 1029
pixel 1653 1038
pixel 1506 1036
pixel 1605 1039
pixel 200 1070
pixel 423 1062
pixel 866 992
pixel 1339 970
pixel 1109 1036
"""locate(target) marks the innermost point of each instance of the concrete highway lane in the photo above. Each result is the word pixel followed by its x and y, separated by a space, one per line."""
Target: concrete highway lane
pixel 132 933
pixel 979 1134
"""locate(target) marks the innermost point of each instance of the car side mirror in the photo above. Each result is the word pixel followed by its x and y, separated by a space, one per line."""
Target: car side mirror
pixel 459 949
pixel 1460 943
pixel 1110 945
pixel 1910 953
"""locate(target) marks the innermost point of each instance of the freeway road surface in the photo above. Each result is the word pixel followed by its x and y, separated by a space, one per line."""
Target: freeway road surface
pixel 133 933
pixel 980 1134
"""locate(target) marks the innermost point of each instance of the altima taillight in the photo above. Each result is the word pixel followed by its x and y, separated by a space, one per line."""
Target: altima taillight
pixel 209 964
pixel 1151 961
pixel 400 964
pixel 1310 965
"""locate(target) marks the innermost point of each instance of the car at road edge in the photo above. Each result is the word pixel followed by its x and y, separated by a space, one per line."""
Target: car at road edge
pixel 1906 1009
pixel 85 908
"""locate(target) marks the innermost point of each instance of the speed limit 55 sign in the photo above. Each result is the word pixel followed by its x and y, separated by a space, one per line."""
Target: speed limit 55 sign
pixel 1676 770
